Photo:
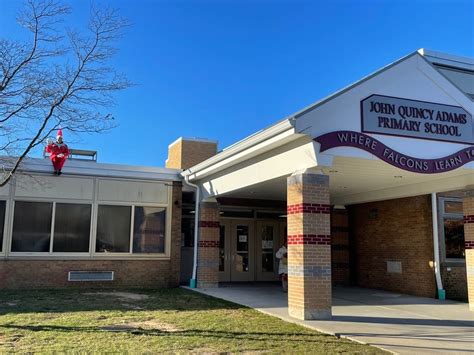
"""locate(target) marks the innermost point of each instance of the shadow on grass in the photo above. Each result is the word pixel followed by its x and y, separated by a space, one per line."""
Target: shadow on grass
pixel 258 336
pixel 51 301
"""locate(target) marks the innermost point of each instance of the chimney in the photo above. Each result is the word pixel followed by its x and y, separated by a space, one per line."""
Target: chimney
pixel 184 153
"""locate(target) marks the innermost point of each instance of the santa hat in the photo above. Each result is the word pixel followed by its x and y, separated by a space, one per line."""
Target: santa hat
pixel 60 133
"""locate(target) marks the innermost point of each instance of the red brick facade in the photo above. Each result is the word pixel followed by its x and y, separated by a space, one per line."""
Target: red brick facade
pixel 131 273
pixel 397 231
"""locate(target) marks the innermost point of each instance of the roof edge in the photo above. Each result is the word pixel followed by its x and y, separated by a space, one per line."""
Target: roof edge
pixel 240 146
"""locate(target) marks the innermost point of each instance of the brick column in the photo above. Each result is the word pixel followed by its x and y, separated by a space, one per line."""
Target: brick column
pixel 468 211
pixel 176 234
pixel 309 246
pixel 208 246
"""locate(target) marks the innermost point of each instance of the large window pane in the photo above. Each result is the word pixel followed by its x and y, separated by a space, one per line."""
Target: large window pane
pixel 149 230
pixel 454 237
pixel 32 226
pixel 2 222
pixel 72 224
pixel 113 229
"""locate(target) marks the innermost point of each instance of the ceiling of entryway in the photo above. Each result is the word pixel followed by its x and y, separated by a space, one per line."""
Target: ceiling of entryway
pixel 355 180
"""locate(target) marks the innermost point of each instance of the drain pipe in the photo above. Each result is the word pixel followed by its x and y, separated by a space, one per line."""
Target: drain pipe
pixel 193 281
pixel 434 213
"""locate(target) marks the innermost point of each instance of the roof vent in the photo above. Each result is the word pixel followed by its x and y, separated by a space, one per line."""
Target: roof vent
pixel 91 276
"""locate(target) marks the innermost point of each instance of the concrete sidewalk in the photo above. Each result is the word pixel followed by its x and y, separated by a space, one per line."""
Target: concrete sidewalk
pixel 398 323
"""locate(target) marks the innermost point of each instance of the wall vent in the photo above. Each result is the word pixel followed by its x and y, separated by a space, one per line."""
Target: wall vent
pixel 90 276
pixel 394 267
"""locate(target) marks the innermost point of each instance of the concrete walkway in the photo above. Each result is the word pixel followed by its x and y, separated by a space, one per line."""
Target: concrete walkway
pixel 398 323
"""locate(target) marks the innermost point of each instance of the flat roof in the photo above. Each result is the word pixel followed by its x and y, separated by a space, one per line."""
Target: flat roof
pixel 92 168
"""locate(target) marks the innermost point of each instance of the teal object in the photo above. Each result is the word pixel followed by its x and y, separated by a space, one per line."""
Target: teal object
pixel 441 294
pixel 192 283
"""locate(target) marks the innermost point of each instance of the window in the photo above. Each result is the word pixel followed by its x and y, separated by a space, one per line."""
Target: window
pixel 149 230
pixel 32 227
pixel 2 222
pixel 454 238
pixel 452 228
pixel 113 229
pixel 72 224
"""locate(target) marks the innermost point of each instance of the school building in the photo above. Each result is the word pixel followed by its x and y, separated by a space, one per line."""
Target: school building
pixel 372 186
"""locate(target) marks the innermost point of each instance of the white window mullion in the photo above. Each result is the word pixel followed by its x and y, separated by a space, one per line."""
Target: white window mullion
pixel 51 237
pixel 132 221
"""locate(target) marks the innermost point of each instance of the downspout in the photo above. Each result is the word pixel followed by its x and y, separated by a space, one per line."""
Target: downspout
pixel 434 213
pixel 193 281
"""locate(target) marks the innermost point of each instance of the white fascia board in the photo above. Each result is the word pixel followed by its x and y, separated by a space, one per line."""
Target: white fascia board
pixel 258 143
pixel 89 168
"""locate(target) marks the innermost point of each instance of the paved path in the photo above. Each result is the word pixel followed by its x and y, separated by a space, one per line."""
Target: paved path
pixel 398 323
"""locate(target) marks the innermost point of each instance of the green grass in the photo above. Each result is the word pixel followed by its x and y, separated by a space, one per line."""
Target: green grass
pixel 170 320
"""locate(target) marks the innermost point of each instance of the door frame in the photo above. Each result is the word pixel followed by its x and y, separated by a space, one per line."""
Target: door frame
pixel 240 276
pixel 224 276
pixel 261 275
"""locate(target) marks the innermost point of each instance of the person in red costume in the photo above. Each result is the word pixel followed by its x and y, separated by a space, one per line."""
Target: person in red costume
pixel 59 152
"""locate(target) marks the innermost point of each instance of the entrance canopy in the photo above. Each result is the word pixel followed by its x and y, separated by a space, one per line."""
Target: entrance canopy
pixel 404 130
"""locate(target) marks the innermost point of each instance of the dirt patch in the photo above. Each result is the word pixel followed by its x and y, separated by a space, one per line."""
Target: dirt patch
pixel 153 325
pixel 132 306
pixel 125 296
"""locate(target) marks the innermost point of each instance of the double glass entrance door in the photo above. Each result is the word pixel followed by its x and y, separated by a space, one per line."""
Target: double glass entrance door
pixel 247 250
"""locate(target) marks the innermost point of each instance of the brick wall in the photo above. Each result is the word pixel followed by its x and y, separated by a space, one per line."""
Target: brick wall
pixel 468 211
pixel 53 273
pixel 208 247
pixel 454 281
pixel 397 230
pixel 340 247
pixel 185 153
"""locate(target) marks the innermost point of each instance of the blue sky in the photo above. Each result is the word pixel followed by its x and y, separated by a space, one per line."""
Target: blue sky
pixel 225 69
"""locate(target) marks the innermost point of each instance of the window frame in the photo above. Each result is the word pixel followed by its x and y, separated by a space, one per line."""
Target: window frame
pixel 441 217
pixel 50 253
pixel 10 199
pixel 4 244
pixel 130 254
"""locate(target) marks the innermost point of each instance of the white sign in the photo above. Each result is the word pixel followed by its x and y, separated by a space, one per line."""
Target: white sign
pixel 242 239
pixel 417 119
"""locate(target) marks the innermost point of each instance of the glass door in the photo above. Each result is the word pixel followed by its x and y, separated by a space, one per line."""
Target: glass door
pixel 267 245
pixel 242 251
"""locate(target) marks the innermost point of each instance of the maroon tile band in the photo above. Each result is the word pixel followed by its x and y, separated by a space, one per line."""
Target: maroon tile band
pixel 209 224
pixel 300 239
pixel 209 244
pixel 469 219
pixel 469 244
pixel 309 208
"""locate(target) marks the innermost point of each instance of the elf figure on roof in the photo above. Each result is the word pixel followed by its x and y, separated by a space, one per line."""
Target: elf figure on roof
pixel 59 152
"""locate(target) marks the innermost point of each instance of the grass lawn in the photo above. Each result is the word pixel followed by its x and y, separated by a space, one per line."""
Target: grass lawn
pixel 141 321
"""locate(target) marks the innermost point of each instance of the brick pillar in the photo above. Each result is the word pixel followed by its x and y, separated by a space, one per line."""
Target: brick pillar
pixel 208 246
pixel 468 211
pixel 309 247
pixel 176 234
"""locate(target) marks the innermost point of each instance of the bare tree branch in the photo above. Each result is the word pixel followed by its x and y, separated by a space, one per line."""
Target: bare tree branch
pixel 57 80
